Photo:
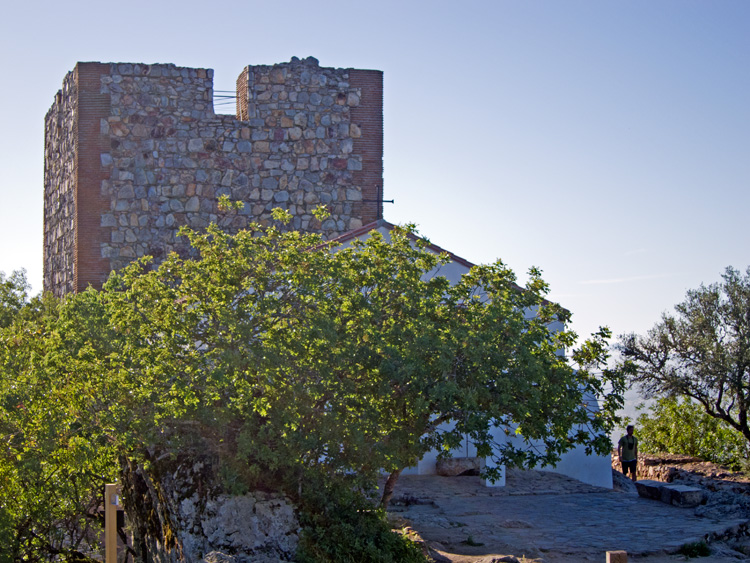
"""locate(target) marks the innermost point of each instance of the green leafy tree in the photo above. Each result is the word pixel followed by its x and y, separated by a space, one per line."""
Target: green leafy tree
pixel 289 365
pixel 52 471
pixel 702 352
pixel 296 366
pixel 683 427
pixel 14 296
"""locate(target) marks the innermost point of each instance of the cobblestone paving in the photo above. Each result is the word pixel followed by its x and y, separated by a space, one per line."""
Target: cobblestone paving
pixel 539 512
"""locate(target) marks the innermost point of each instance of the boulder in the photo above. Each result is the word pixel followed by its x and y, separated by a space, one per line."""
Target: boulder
pixel 623 484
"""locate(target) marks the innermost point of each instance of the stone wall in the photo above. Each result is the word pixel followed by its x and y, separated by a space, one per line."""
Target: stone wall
pixel 59 197
pixel 160 158
pixel 670 468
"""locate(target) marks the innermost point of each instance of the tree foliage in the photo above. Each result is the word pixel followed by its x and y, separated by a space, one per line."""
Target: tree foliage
pixel 52 470
pixel 14 296
pixel 346 362
pixel 701 352
pixel 294 366
pixel 680 426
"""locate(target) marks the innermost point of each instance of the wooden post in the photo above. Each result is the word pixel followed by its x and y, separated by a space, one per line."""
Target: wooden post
pixel 111 501
pixel 617 557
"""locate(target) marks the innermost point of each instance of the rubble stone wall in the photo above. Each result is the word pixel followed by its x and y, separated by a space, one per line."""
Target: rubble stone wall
pixel 685 469
pixel 59 197
pixel 303 136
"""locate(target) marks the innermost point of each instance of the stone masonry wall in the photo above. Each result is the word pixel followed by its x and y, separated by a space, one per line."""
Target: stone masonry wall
pixel 304 136
pixel 59 199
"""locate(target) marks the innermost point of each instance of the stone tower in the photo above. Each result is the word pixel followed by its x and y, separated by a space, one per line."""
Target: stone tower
pixel 134 151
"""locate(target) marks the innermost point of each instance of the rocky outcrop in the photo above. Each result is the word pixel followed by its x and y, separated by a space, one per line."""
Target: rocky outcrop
pixel 623 484
pixel 179 514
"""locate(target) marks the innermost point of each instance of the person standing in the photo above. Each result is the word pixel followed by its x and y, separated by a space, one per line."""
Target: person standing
pixel 627 452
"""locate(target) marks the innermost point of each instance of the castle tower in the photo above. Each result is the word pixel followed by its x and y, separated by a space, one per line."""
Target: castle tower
pixel 134 151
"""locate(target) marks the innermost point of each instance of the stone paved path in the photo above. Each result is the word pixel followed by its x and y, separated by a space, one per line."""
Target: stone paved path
pixel 540 512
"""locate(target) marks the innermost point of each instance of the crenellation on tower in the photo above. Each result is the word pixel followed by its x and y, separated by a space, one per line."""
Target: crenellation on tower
pixel 134 151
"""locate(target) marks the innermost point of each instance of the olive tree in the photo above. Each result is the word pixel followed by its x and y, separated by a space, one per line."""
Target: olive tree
pixel 700 352
pixel 681 426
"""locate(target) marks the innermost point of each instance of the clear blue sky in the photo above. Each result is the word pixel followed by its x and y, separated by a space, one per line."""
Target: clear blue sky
pixel 606 142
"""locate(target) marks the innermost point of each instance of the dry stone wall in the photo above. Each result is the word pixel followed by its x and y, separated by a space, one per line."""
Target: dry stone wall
pixel 303 137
